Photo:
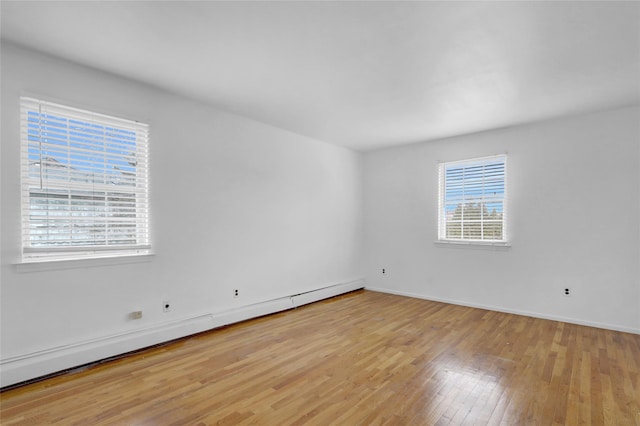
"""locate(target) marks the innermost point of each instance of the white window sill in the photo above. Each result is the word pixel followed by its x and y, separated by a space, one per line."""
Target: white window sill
pixel 37 265
pixel 480 245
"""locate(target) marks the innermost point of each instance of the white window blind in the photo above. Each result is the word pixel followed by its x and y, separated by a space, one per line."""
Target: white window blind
pixel 472 200
pixel 85 183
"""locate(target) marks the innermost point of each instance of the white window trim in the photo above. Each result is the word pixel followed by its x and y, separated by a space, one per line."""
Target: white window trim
pixel 46 264
pixel 505 242
pixel 484 245
pixel 68 256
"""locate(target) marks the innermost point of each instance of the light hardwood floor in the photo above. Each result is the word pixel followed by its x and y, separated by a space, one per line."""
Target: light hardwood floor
pixel 361 358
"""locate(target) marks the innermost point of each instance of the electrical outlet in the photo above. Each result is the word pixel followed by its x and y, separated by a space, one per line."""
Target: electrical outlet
pixel 136 314
pixel 384 271
pixel 166 306
pixel 236 293
pixel 566 291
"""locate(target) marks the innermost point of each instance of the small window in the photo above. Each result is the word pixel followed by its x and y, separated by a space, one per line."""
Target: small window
pixel 85 183
pixel 472 200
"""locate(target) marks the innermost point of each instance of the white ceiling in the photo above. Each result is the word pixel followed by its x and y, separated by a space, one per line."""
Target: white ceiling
pixel 358 74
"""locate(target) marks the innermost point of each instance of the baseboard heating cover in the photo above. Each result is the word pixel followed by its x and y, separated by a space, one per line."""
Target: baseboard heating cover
pixel 37 364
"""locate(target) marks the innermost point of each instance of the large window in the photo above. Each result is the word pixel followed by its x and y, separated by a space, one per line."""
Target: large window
pixel 84 183
pixel 472 200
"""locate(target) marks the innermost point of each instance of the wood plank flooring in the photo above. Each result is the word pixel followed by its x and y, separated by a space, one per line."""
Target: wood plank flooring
pixel 364 358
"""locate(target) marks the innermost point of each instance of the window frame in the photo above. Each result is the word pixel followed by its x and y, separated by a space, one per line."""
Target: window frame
pixel 442 202
pixel 104 190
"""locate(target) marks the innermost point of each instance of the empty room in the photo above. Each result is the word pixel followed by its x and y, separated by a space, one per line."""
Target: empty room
pixel 323 213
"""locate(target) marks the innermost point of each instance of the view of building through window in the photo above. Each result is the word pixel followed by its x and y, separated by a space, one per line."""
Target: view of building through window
pixel 84 180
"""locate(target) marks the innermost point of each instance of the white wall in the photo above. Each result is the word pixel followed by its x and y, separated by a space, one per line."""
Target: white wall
pixel 573 193
pixel 235 204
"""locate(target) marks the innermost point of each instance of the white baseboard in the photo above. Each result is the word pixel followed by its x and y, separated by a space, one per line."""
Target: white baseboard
pixel 509 311
pixel 37 364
